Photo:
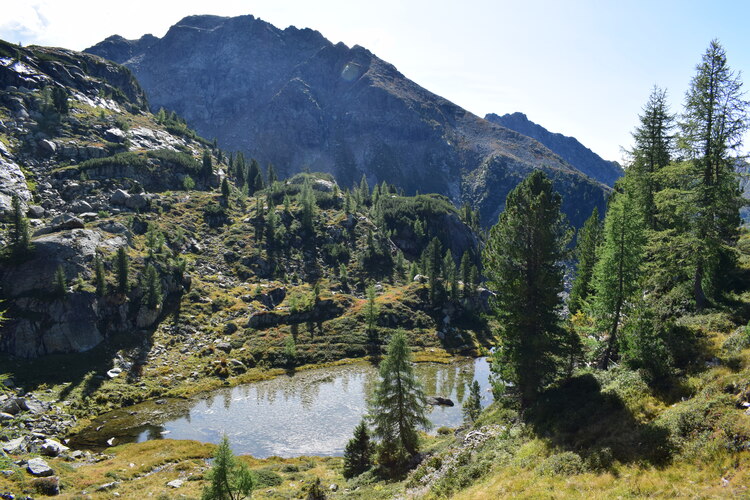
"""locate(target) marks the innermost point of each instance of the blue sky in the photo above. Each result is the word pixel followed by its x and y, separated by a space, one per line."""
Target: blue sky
pixel 580 67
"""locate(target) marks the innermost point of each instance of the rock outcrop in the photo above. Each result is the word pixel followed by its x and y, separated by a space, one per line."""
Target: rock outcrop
pixel 292 98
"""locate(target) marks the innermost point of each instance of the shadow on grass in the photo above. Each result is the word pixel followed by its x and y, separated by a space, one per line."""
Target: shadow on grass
pixel 577 416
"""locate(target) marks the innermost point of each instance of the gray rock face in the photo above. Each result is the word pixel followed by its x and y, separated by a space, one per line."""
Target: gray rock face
pixel 568 148
pixel 293 98
pixel 12 181
pixel 119 197
pixel 61 223
pixel 72 249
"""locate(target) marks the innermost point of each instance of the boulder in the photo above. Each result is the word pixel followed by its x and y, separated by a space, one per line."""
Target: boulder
pixel 52 448
pixel 17 446
pixel 119 197
pixel 47 147
pixel 176 483
pixel 80 207
pixel 4 417
pixel 137 202
pixel 39 467
pixel 114 135
pixel 61 223
pixel 439 401
pixel 35 212
pixel 14 406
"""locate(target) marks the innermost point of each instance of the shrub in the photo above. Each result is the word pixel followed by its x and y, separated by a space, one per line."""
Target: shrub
pixel 566 463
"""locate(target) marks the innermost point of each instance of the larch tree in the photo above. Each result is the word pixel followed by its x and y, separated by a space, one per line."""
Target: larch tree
pixel 712 128
pixel 617 271
pixel 523 264
pixel 397 407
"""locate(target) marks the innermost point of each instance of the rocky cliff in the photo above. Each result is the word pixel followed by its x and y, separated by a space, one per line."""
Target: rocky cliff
pixel 292 98
pixel 569 149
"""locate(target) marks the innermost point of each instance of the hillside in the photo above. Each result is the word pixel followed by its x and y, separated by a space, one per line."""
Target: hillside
pixel 294 99
pixel 568 148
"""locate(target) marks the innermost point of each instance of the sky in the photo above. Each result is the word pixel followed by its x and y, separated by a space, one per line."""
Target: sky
pixel 583 68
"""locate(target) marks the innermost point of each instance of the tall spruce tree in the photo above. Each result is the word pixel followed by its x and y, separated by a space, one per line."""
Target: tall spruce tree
pixel 523 264
pixel 712 128
pixel 397 407
pixel 654 145
pixel 617 271
pixel 589 238
pixel 207 165
pixel 99 277
pixel 122 265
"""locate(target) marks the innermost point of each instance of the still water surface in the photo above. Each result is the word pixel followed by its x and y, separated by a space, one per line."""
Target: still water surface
pixel 312 412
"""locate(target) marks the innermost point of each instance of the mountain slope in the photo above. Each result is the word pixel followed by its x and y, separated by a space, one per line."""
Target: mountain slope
pixel 292 98
pixel 569 149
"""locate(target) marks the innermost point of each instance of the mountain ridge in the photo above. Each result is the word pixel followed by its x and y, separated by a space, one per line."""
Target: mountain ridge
pixel 293 98
pixel 568 148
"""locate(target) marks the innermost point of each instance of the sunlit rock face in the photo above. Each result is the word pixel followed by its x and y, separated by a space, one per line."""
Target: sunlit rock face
pixel 292 98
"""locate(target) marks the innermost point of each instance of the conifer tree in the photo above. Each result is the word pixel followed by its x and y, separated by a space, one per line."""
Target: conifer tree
pixel 589 238
pixel 432 257
pixel 272 176
pixel 522 261
pixel 229 478
pixel 466 273
pixel 358 452
pixel 207 168
pixel 99 277
pixel 253 173
pixel 617 271
pixel 473 405
pixel 61 284
pixel 20 240
pixel 152 295
pixel 364 191
pixel 712 129
pixel 122 266
pixel 397 407
pixel 654 144
pixel 371 313
pixel 225 190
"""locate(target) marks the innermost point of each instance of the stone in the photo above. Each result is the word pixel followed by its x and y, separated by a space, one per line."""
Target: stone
pixel 108 486
pixel 4 417
pixel 62 222
pixel 39 467
pixel 136 201
pixel 52 448
pixel 224 346
pixel 16 446
pixel 176 483
pixel 114 372
pixel 47 147
pixel 35 212
pixel 333 487
pixel 119 197
pixel 439 401
pixel 12 182
pixel 420 278
pixel 80 206
pixel 114 135
pixel 14 406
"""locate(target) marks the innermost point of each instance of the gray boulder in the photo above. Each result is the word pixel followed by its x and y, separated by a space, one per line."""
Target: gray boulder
pixel 39 467
pixel 35 212
pixel 52 448
pixel 80 207
pixel 137 201
pixel 17 446
pixel 14 406
pixel 114 135
pixel 47 147
pixel 119 197
pixel 61 223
